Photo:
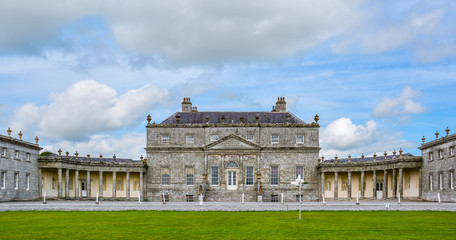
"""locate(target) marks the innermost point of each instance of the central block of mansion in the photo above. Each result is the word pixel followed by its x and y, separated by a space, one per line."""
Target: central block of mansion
pixel 226 154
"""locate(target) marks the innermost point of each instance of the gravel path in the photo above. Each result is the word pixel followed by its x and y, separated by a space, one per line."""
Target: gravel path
pixel 225 206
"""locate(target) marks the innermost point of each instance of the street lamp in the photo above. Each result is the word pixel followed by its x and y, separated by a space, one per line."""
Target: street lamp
pixel 298 182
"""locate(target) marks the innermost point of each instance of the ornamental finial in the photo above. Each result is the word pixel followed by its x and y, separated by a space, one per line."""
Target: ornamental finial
pixel 447 130
pixel 9 132
pixel 316 118
pixel 149 118
pixel 20 135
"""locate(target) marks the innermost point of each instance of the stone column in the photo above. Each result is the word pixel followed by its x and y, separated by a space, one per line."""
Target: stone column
pixel 336 186
pixel 128 185
pixel 40 183
pixel 385 184
pixel 349 189
pixel 114 184
pixel 401 182
pixel 67 183
pixel 394 183
pixel 420 183
pixel 100 192
pixel 322 183
pixel 374 184
pixel 59 187
pixel 88 185
pixel 363 184
pixel 76 181
pixel 141 184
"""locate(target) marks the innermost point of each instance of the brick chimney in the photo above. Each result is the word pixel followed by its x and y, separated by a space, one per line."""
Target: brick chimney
pixel 281 105
pixel 186 105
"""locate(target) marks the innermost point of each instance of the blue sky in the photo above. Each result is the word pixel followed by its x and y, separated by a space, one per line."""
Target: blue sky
pixel 82 75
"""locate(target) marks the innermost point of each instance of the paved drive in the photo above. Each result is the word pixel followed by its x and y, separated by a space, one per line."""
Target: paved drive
pixel 225 206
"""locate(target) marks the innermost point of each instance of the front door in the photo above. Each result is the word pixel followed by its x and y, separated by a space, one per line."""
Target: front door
pixel 379 190
pixel 232 180
pixel 83 188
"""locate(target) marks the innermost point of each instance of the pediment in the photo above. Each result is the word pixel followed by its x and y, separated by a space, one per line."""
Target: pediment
pixel 232 142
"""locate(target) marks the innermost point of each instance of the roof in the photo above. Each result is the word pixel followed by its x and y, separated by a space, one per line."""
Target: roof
pixel 79 158
pixel 370 159
pixel 231 117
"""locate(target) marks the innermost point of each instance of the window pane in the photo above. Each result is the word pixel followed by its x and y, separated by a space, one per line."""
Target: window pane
pixel 190 172
pixel 274 138
pixel 275 175
pixel 299 138
pixel 165 176
pixel 190 139
pixel 299 171
pixel 214 137
pixel 249 176
pixel 214 176
pixel 249 137
pixel 165 138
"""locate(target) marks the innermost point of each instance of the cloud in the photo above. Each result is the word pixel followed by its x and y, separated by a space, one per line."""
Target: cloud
pixel 402 106
pixel 342 137
pixel 88 107
pixel 130 145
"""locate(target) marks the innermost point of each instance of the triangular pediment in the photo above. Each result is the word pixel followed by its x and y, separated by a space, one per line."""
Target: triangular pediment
pixel 232 142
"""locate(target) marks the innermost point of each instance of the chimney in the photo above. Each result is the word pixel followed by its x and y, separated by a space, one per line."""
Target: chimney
pixel 194 109
pixel 186 105
pixel 281 105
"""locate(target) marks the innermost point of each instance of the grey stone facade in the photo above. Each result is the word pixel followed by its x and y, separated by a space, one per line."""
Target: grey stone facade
pixel 18 168
pixel 439 163
pixel 230 154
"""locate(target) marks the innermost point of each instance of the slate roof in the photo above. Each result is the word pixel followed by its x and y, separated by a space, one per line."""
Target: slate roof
pixel 231 117
pixel 380 157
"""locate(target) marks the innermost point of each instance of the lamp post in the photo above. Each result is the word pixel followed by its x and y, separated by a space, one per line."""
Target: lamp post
pixel 298 182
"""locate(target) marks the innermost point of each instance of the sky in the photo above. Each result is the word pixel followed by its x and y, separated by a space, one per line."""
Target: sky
pixel 83 75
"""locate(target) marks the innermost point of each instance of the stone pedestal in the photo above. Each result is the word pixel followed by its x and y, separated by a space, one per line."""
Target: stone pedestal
pixel 260 198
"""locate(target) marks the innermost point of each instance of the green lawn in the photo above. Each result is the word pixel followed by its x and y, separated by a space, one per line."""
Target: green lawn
pixel 227 225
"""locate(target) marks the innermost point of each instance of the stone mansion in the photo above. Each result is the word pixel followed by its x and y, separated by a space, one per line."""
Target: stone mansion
pixel 226 156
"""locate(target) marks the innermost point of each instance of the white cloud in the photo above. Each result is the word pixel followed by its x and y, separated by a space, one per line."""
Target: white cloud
pixel 342 137
pixel 130 145
pixel 402 106
pixel 88 107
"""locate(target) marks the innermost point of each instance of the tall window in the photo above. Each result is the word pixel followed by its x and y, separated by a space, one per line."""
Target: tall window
pixel 249 176
pixel 440 154
pixel 27 157
pixel 4 152
pixel 16 181
pixel 165 138
pixel 190 172
pixel 452 180
pixel 299 172
pixel 274 138
pixel 451 151
pixel 274 175
pixel 214 137
pixel 249 137
pixel 190 139
pixel 214 176
pixel 16 154
pixel 440 181
pixel 27 181
pixel 430 182
pixel 431 156
pixel 3 180
pixel 299 138
pixel 165 176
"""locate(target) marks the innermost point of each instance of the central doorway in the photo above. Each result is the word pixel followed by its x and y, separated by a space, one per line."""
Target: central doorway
pixel 83 188
pixel 232 180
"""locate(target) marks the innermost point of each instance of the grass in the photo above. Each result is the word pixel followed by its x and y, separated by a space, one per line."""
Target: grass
pixel 227 225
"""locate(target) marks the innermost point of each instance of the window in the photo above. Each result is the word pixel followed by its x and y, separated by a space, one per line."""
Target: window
pixel 214 137
pixel 189 198
pixel 165 138
pixel 440 154
pixel 274 175
pixel 16 154
pixel 165 176
pixel 249 176
pixel 190 171
pixel 249 137
pixel 27 157
pixel 214 176
pixel 379 186
pixel 440 181
pixel 16 181
pixel 451 179
pixel 190 139
pixel 27 181
pixel 274 198
pixel 431 156
pixel 451 151
pixel 274 138
pixel 430 182
pixel 299 172
pixel 3 180
pixel 165 197
pixel 4 152
pixel 299 138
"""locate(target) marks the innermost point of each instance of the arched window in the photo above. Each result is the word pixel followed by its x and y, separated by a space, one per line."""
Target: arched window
pixel 232 164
